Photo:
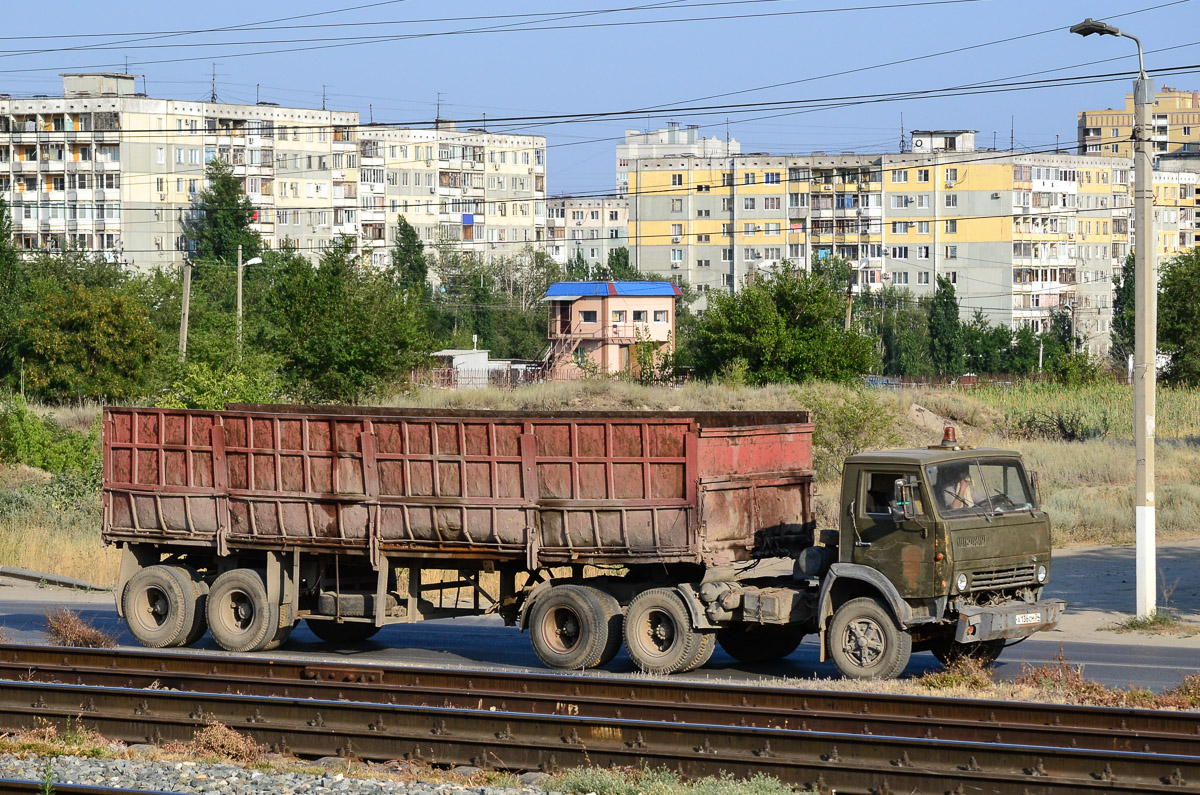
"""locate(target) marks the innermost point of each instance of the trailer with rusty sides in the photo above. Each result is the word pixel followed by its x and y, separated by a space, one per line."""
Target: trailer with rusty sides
pixel 588 529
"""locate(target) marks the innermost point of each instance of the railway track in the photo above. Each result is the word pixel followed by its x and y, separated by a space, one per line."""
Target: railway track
pixel 851 742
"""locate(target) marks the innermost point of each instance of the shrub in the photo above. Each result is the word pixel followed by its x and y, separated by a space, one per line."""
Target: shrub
pixel 68 628
pixel 1063 425
pixel 200 385
pixel 43 443
pixel 847 421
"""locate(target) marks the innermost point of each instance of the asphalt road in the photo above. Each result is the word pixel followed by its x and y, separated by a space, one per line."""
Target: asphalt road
pixel 484 643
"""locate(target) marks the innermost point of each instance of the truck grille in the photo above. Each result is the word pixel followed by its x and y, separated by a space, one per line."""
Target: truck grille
pixel 1000 578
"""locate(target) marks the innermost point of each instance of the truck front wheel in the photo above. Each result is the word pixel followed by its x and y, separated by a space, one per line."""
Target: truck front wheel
pixel 865 642
pixel 659 635
pixel 240 616
pixel 751 643
pixel 984 652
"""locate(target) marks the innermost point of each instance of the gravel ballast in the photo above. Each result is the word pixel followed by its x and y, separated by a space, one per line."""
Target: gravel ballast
pixel 173 776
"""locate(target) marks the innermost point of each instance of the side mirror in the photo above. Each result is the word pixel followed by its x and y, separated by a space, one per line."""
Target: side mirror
pixel 1036 483
pixel 902 500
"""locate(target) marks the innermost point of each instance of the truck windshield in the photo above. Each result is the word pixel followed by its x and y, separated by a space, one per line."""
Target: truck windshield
pixel 979 486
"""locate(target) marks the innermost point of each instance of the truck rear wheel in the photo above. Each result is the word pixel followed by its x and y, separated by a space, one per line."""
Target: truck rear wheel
pixel 200 619
pixel 569 627
pixel 159 603
pixel 240 616
pixel 865 642
pixel 659 635
pixel 331 631
pixel 752 643
pixel 984 652
pixel 614 620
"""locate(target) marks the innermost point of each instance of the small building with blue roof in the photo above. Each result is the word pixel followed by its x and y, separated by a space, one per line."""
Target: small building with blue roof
pixel 601 322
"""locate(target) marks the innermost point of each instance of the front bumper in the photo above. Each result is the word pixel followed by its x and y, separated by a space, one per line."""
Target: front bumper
pixel 1017 620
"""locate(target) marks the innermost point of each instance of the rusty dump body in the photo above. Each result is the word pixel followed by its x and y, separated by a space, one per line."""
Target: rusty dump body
pixel 531 489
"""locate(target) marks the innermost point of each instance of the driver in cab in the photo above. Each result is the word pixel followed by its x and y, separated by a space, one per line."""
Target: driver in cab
pixel 956 489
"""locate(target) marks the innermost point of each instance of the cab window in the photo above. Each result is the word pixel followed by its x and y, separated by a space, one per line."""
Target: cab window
pixel 974 487
pixel 878 491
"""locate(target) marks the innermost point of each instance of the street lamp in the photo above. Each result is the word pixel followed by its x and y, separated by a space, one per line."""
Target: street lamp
pixel 1145 322
pixel 240 267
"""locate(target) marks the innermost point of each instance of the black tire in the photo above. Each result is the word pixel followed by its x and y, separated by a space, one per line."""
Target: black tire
pixel 240 616
pixel 612 610
pixel 200 619
pixel 704 651
pixel 159 604
pixel 569 627
pixel 984 652
pixel 865 642
pixel 659 635
pixel 331 631
pixel 753 643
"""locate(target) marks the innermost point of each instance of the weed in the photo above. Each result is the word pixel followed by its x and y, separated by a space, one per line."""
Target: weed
pixel 1162 622
pixel 47 787
pixel 67 628
pixel 645 781
pixel 962 674
pixel 1188 690
pixel 216 740
pixel 48 740
pixel 1063 425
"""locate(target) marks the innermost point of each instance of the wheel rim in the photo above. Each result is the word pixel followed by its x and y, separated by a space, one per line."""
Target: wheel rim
pixel 154 607
pixel 863 642
pixel 237 611
pixel 561 629
pixel 658 632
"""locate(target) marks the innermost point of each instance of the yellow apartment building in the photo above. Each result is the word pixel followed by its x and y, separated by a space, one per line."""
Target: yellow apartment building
pixel 1176 122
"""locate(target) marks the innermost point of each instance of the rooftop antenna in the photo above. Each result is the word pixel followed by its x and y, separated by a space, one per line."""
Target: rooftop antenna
pixel 371 112
pixel 257 86
pixel 993 140
pixel 1012 133
pixel 126 64
pixel 901 133
pixel 1056 143
pixel 323 87
pixel 437 115
pixel 213 95
pixel 144 91
pixel 485 121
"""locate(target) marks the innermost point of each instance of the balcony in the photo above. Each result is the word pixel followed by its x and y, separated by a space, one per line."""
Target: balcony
pixel 610 334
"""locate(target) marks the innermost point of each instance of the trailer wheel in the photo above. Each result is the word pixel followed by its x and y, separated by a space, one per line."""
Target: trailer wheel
pixel 160 606
pixel 659 635
pixel 200 619
pixel 751 643
pixel 614 619
pixel 984 652
pixel 569 627
pixel 240 616
pixel 865 642
pixel 331 631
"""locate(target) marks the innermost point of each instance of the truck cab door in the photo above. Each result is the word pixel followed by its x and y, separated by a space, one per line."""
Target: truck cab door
pixel 899 547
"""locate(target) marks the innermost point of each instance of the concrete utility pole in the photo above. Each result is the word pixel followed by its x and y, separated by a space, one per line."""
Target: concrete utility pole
pixel 183 317
pixel 1145 371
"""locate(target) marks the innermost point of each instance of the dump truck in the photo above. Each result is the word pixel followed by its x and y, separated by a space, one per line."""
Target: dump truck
pixel 666 533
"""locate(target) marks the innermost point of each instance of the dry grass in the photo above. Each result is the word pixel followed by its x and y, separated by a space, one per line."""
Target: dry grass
pixel 1163 622
pixel 49 740
pixel 218 742
pixel 75 416
pixel 67 628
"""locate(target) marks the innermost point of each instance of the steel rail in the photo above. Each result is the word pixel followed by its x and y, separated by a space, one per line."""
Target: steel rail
pixel 973 720
pixel 519 741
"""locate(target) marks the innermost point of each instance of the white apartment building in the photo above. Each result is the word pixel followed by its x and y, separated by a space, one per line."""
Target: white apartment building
pixel 667 142
pixel 588 228
pixel 103 168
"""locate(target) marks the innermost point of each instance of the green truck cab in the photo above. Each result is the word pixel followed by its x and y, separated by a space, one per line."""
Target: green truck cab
pixel 941 549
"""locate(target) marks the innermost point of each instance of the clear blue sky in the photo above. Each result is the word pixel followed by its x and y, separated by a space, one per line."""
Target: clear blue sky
pixel 620 67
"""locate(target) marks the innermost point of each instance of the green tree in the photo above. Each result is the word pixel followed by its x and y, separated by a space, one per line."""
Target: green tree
pixel 12 292
pixel 1122 320
pixel 1179 318
pixel 410 269
pixel 781 328
pixel 342 329
pixel 985 346
pixel 1021 358
pixel 223 217
pixel 945 331
pixel 620 269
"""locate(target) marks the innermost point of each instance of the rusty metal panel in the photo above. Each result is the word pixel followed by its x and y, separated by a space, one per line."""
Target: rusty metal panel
pixel 544 487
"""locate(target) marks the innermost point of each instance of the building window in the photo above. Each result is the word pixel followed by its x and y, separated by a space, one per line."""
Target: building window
pixel 748 178
pixel 922 175
pixel 676 180
pixel 899 252
pixel 899 176
pixel 639 316
pixel 771 203
pixel 922 252
pixel 618 316
pixel 661 316
pixel 951 199
pixel 923 201
pixel 771 178
pixel 587 316
pixel 952 276
pixel 951 252
pixel 951 176
pixel 900 277
pixel 951 227
pixel 922 227
pixel 676 205
pixel 923 277
pixel 748 204
pixel 700 263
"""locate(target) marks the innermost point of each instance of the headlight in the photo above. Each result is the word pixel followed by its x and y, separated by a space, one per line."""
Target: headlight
pixel 1041 574
pixel 961 582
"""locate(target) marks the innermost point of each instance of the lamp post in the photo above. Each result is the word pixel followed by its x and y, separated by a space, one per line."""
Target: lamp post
pixel 1145 323
pixel 240 267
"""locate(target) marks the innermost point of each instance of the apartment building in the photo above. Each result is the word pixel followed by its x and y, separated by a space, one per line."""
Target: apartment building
pixel 588 228
pixel 472 191
pixel 666 142
pixel 1176 123
pixel 1021 236
pixel 106 169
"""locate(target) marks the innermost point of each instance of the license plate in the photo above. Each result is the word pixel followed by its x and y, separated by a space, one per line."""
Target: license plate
pixel 1028 618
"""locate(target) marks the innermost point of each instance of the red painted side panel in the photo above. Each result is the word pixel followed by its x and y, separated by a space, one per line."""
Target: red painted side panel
pixel 539 487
